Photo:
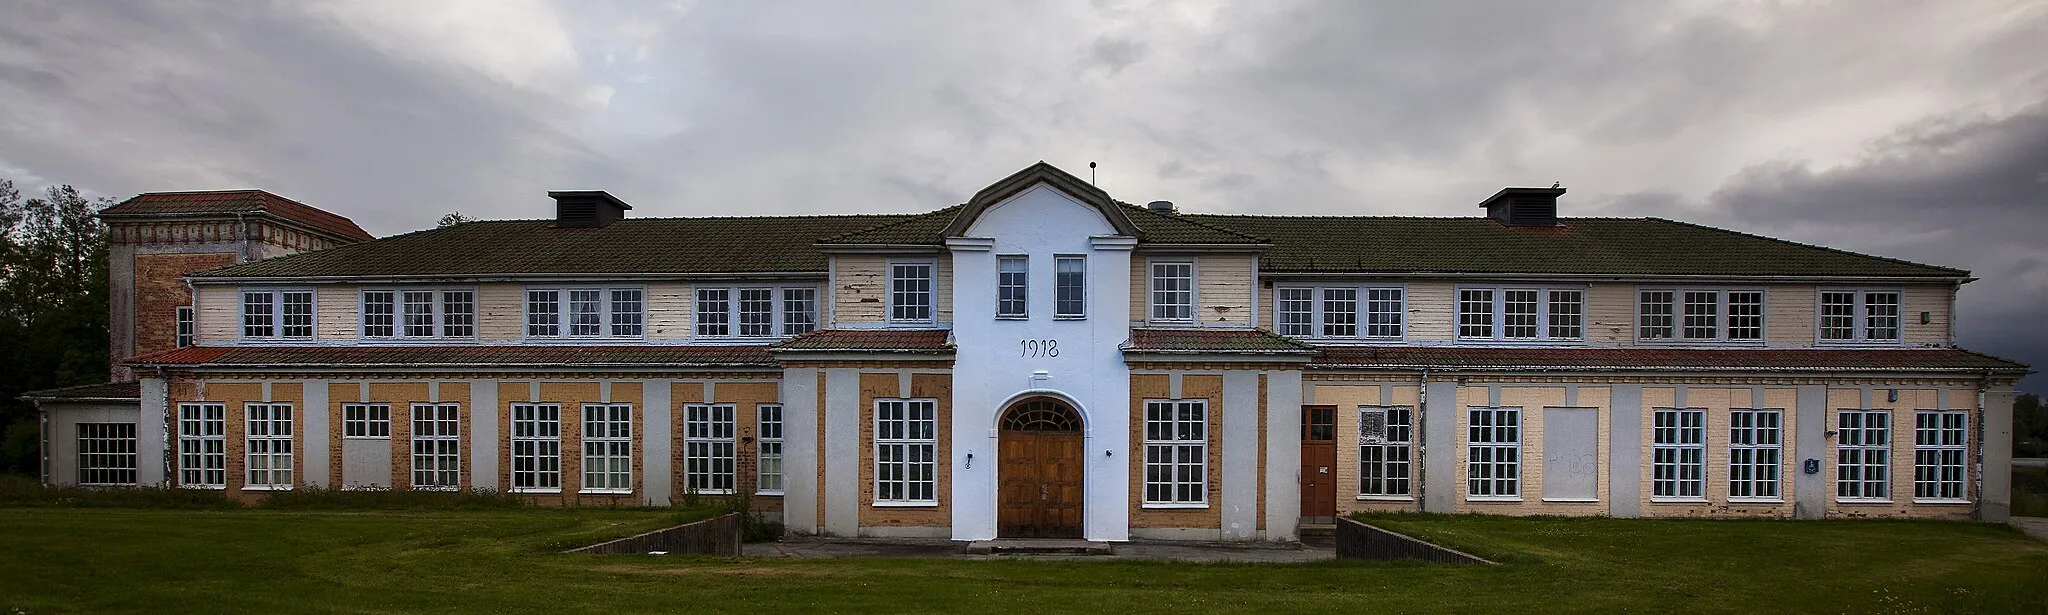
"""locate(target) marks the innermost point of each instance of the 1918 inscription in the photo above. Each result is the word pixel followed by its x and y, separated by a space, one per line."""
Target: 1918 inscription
pixel 1038 348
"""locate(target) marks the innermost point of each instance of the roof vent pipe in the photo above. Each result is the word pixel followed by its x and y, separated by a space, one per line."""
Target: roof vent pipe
pixel 1163 207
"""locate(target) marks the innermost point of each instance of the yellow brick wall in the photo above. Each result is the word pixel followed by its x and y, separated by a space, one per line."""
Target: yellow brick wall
pixel 1901 502
pixel 880 385
pixel 1718 402
pixel 1193 386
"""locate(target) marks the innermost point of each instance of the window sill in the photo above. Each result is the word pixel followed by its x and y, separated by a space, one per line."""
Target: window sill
pixel 1176 505
pixel 1493 500
pixel 1658 500
pixel 605 492
pixel 711 491
pixel 1855 502
pixel 1013 317
pixel 772 494
pixel 386 438
pixel 204 487
pixel 434 488
pixel 1943 501
pixel 906 504
pixel 267 488
pixel 1572 500
pixel 1385 498
pixel 1756 500
pixel 534 491
pixel 1071 317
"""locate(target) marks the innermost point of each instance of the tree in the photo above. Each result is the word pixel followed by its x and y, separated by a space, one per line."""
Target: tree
pixel 2029 426
pixel 53 306
pixel 453 218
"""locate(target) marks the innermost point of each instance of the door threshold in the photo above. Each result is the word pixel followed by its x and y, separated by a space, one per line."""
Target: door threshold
pixel 1040 546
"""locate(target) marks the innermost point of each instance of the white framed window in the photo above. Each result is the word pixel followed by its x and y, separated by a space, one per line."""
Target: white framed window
pixel 1173 291
pixel 1519 314
pixel 1340 312
pixel 1678 453
pixel 1384 440
pixel 799 310
pixel 366 421
pixel 1940 446
pixel 1700 314
pixel 277 314
pixel 1755 453
pixel 586 312
pixel 536 448
pixel 607 448
pixel 202 445
pixel 106 453
pixel 187 325
pixel 1070 287
pixel 436 446
pixel 906 452
pixel 752 311
pixel 910 291
pixel 1863 455
pixel 1859 316
pixel 268 446
pixel 768 454
pixel 1493 453
pixel 1176 453
pixel 1013 283
pixel 708 449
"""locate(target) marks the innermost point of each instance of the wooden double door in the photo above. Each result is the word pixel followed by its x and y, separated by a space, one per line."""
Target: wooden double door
pixel 1039 469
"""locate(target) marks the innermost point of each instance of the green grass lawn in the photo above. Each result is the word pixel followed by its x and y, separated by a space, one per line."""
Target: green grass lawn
pixel 488 561
pixel 2030 492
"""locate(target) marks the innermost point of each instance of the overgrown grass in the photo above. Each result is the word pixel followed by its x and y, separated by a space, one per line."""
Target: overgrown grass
pixel 506 560
pixel 2030 492
pixel 18 491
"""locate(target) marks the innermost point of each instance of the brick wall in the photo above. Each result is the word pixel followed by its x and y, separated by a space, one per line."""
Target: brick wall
pixel 159 290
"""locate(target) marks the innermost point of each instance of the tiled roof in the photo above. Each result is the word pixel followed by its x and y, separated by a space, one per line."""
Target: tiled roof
pixel 930 229
pixel 632 246
pixel 1658 359
pixel 122 391
pixel 1191 341
pixel 870 340
pixel 236 201
pixel 524 356
pixel 1615 246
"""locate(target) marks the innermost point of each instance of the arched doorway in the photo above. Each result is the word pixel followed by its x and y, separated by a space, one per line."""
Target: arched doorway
pixel 1040 470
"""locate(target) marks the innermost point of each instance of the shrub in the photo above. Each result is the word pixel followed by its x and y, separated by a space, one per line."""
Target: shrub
pixel 319 498
pixel 26 491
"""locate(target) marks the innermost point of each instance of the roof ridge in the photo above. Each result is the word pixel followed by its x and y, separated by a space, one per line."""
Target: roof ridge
pixel 1806 245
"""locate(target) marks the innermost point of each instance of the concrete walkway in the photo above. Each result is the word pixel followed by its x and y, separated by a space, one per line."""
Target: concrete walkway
pixel 1137 549
pixel 2033 526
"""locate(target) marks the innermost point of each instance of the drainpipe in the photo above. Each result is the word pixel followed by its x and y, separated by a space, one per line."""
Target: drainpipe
pixel 43 442
pixel 1421 443
pixel 169 453
pixel 1977 450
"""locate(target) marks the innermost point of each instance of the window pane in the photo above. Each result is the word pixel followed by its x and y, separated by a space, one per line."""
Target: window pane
pixel 910 292
pixel 419 313
pixel 458 313
pixel 1296 311
pixel 1881 312
pixel 1011 284
pixel 1340 312
pixel 585 316
pixel 1838 316
pixel 1518 314
pixel 1702 315
pixel 757 312
pixel 543 313
pixel 1567 314
pixel 1658 315
pixel 1173 291
pixel 714 313
pixel 627 312
pixel 1072 286
pixel 1745 315
pixel 1383 312
pixel 258 317
pixel 1475 313
pixel 799 310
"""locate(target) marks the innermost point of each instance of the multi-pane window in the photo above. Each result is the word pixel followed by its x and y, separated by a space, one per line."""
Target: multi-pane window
pixel 1177 452
pixel 1493 453
pixel 586 312
pixel 1070 286
pixel 910 291
pixel 799 310
pixel 1703 315
pixel 608 448
pixel 1012 273
pixel 277 314
pixel 1940 443
pixel 366 420
pixel 750 311
pixel 458 313
pixel 202 445
pixel 1859 316
pixel 1755 453
pixel 1678 453
pixel 419 313
pixel 268 446
pixel 708 447
pixel 1384 434
pixel 536 448
pixel 1521 314
pixel 106 453
pixel 1863 454
pixel 628 311
pixel 1173 292
pixel 187 325
pixel 1338 311
pixel 768 455
pixel 906 451
pixel 436 446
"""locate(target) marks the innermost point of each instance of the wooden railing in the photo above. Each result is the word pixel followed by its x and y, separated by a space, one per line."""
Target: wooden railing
pixel 715 536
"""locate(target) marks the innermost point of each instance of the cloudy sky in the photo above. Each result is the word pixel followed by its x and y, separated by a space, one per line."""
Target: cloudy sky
pixel 1916 130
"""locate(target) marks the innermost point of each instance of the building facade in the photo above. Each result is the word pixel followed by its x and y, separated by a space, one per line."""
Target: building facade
pixel 1046 361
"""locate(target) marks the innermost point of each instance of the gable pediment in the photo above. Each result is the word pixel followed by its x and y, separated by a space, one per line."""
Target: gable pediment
pixel 1052 177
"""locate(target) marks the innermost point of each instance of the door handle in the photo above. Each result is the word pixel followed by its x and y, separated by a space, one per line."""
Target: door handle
pixel 1041 493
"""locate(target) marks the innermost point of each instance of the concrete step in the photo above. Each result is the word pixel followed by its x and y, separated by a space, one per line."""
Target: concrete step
pixel 1039 547
pixel 1317 529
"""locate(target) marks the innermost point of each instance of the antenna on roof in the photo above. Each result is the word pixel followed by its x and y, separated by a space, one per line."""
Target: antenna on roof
pixel 1556 184
pixel 1091 172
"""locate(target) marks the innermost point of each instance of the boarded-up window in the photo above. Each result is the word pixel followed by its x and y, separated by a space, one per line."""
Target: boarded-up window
pixel 1571 453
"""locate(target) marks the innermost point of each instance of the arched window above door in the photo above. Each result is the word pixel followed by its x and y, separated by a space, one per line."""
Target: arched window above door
pixel 1041 414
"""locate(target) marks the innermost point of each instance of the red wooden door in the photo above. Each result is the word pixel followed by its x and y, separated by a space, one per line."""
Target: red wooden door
pixel 1319 464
